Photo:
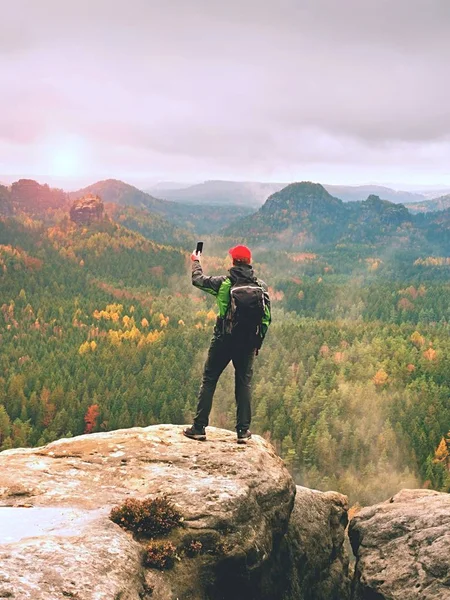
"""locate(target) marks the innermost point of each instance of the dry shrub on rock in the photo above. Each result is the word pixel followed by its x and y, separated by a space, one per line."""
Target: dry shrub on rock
pixel 160 555
pixel 148 517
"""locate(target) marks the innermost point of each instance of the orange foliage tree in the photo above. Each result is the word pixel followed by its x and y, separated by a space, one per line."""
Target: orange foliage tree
pixel 380 378
pixel 90 418
pixel 430 354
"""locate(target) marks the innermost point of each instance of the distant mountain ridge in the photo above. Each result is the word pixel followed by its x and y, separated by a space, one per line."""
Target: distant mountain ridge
pixel 350 193
pixel 202 219
pixel 34 198
pixel 298 215
pixel 237 193
pixel 166 185
pixel 255 193
pixel 118 192
pixel 436 204
pixel 305 216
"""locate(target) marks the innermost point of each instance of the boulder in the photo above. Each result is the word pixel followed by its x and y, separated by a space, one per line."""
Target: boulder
pixel 402 548
pixel 86 210
pixel 313 554
pixel 57 540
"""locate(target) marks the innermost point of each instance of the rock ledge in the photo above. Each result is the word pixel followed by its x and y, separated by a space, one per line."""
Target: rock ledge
pixel 57 541
pixel 403 548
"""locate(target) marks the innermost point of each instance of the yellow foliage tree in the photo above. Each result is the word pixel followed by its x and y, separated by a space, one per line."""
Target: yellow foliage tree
pixel 163 321
pixel 442 453
pixel 154 336
pixel 111 312
pixel 132 334
pixel 114 337
pixel 84 348
pixel 417 339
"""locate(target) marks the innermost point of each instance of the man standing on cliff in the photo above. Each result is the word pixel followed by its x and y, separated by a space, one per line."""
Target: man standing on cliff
pixel 242 323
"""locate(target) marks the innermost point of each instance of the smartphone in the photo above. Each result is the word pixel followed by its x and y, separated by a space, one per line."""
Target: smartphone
pixel 199 248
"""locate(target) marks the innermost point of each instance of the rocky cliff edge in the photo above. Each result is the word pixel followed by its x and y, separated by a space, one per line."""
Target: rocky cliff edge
pixel 403 548
pixel 255 534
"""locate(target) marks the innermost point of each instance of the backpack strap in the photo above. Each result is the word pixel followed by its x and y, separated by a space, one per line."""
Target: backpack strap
pixel 223 297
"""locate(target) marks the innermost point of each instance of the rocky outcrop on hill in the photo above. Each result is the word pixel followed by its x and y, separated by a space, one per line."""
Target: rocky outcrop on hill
pixel 86 210
pixel 251 539
pixel 403 548
pixel 30 196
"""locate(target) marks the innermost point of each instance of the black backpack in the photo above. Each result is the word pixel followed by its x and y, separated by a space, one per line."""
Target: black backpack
pixel 246 311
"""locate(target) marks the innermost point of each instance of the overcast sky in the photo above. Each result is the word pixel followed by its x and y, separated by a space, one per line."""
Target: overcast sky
pixel 338 91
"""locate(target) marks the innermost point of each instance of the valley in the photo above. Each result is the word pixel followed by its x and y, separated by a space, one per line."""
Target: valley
pixel 101 329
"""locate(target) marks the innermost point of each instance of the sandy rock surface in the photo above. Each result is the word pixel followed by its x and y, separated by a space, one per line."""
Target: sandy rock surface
pixel 56 540
pixel 403 548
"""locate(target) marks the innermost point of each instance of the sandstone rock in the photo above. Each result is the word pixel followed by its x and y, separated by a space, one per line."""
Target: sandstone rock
pixel 314 547
pixel 32 197
pixel 403 548
pixel 231 497
pixel 86 210
pixel 57 541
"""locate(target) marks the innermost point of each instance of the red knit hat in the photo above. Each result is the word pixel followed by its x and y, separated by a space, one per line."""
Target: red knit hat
pixel 240 253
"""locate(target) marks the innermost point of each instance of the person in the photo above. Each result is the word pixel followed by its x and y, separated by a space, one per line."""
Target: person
pixel 242 323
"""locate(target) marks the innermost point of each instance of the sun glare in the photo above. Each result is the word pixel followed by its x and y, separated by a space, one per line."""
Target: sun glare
pixel 65 163
pixel 66 156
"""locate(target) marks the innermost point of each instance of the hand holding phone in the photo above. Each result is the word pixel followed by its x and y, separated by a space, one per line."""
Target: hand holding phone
pixel 197 252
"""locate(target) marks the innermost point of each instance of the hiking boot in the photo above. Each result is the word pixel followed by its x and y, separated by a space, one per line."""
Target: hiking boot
pixel 195 433
pixel 243 435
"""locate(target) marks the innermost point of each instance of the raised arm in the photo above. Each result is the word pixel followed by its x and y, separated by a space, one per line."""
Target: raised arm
pixel 210 284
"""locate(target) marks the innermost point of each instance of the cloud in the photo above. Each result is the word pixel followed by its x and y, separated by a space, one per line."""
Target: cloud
pixel 242 88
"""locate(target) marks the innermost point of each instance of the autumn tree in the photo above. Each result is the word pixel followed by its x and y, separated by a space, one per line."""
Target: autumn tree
pixel 90 418
pixel 380 378
pixel 442 454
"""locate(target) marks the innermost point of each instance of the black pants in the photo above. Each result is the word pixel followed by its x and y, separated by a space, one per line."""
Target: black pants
pixel 223 349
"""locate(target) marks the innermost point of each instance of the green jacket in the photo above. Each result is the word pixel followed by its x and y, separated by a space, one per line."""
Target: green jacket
pixel 220 286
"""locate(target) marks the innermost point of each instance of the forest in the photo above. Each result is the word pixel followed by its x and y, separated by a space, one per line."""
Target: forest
pixel 101 329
